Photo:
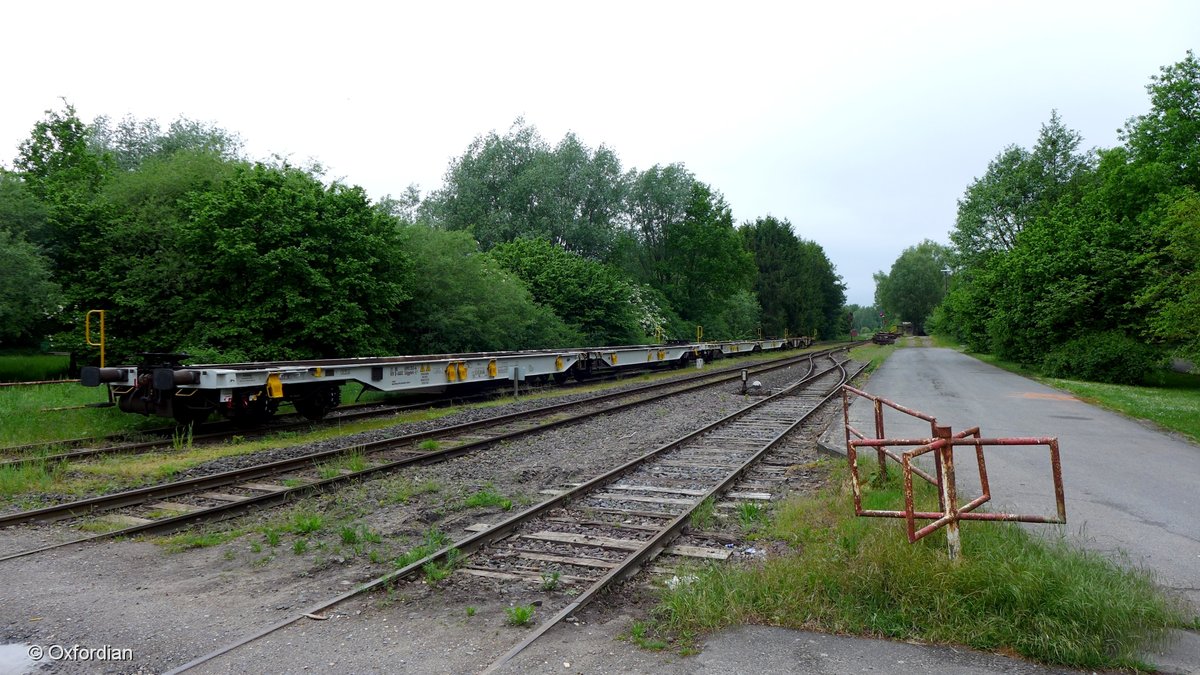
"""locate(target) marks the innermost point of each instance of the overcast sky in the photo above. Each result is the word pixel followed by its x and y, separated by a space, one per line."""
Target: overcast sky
pixel 861 123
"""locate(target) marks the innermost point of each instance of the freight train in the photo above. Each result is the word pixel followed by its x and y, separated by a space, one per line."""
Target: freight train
pixel 251 392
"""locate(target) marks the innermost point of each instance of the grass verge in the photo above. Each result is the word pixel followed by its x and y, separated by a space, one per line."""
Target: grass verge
pixel 1171 403
pixel 1011 591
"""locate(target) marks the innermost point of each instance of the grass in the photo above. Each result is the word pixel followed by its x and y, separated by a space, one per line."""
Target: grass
pixel 705 515
pixel 1010 591
pixel 404 489
pixel 186 541
pixel 487 497
pixel 25 418
pixel 1172 405
pixel 1171 402
pixel 519 615
pixel 33 367
pixel 32 477
pixel 435 539
pixel 751 514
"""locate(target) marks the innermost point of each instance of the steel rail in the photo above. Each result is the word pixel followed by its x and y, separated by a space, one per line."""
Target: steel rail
pixel 234 509
pixel 503 529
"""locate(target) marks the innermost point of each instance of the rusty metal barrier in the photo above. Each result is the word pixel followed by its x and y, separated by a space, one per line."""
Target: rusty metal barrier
pixel 941 443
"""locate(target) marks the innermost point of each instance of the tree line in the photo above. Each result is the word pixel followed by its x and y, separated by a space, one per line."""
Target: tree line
pixel 1082 263
pixel 193 247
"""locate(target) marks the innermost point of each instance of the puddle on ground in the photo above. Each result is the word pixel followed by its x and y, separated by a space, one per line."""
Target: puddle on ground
pixel 15 660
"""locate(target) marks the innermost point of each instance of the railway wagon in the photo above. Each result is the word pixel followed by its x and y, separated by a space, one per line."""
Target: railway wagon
pixel 251 392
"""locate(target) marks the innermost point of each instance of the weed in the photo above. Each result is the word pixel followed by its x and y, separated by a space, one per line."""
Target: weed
pixel 519 615
pixel 375 556
pixel 181 438
pixel 272 536
pixel 306 523
pixel 429 445
pixel 434 541
pixel 229 554
pixel 256 547
pixel 550 580
pixel 183 542
pixel 751 514
pixel 293 482
pixel 299 546
pixel 487 497
pixel 641 634
pixel 704 516
pixel 470 612
pixel 435 572
pixel 349 535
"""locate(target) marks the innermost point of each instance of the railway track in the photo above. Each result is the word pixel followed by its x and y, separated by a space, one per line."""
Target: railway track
pixel 172 506
pixel 605 530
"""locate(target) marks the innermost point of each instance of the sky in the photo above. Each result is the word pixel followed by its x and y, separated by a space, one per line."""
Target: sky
pixel 861 123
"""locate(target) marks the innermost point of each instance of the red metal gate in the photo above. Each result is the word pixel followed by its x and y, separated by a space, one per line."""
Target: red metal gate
pixel 941 443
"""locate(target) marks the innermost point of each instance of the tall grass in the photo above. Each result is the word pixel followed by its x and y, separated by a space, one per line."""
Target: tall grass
pixel 25 418
pixel 1011 590
pixel 32 367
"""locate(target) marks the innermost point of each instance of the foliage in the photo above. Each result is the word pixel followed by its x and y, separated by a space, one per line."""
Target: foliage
pixel 474 304
pixel 1108 356
pixel 295 270
pixel 1052 245
pixel 1172 291
pixel 27 294
pixel 589 296
pixel 915 284
pixel 796 284
pixel 507 187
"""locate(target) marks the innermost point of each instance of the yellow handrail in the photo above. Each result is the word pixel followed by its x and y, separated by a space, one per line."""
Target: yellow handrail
pixel 87 332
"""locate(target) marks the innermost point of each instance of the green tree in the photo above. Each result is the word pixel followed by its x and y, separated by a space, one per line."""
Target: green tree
pixel 285 267
pixel 1169 135
pixel 1019 186
pixel 470 303
pixel 590 297
pixel 796 284
pixel 131 141
pixel 1172 291
pixel 508 187
pixel 915 284
pixel 27 294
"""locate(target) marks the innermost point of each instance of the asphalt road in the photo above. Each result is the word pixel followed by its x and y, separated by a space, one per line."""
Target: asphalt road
pixel 1132 491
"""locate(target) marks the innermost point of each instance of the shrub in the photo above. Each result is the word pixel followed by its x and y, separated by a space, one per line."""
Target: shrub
pixel 1108 356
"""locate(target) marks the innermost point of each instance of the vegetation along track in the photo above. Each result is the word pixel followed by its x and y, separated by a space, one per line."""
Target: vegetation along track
pixel 208 433
pixel 608 528
pixel 171 506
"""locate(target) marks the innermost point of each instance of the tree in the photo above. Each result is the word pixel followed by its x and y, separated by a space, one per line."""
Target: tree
pixel 131 141
pixel 474 304
pixel 284 267
pixel 1019 186
pixel 796 284
pixel 27 294
pixel 915 284
pixel 507 187
pixel 590 297
pixel 1172 292
pixel 1169 134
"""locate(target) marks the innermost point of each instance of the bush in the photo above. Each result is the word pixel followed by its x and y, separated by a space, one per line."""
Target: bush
pixel 1109 356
